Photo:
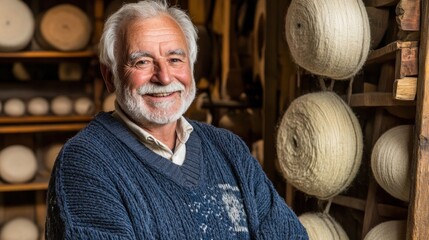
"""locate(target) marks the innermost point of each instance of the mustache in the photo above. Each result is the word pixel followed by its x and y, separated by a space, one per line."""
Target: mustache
pixel 151 88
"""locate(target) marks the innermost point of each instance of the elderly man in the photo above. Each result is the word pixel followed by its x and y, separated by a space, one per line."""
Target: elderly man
pixel 143 171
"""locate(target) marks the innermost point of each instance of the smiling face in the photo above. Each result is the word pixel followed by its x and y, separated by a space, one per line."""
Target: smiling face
pixel 154 69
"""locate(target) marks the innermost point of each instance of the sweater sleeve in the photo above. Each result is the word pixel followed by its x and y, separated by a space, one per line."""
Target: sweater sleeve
pixel 82 200
pixel 276 219
pixel 271 218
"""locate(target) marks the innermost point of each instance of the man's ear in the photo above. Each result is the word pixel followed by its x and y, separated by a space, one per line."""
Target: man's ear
pixel 107 77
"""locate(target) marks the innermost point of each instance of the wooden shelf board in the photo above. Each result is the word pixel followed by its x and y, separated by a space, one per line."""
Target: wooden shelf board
pixel 31 55
pixel 388 52
pixel 377 99
pixel 37 184
pixel 43 119
pixel 33 128
pixel 359 204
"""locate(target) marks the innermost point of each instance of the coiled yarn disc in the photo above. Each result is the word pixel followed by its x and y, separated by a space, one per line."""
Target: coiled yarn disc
pixel 392 230
pixel 18 164
pixel 328 37
pixel 16 25
pixel 390 161
pixel 19 228
pixel 322 226
pixel 319 144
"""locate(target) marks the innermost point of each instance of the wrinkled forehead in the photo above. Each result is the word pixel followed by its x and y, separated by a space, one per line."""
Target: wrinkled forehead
pixel 152 30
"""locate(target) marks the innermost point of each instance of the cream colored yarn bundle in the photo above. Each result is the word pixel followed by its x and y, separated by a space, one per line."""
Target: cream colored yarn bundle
pixel 319 144
pixel 328 37
pixel 390 161
pixel 322 226
pixel 392 230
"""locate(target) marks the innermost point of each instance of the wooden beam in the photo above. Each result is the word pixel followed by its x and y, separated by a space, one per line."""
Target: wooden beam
pixel 270 103
pixel 408 15
pixel 376 99
pixel 384 210
pixel 406 62
pixel 388 52
pixel 405 88
pixel 418 217
pixel 380 3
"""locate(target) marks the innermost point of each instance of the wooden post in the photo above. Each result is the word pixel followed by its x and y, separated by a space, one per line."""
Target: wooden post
pixel 270 89
pixel 418 216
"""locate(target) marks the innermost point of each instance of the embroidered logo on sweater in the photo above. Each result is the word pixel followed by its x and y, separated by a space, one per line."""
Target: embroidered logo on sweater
pixel 234 207
pixel 222 206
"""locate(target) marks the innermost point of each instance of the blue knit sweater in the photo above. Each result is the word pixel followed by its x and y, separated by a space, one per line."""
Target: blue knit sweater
pixel 107 185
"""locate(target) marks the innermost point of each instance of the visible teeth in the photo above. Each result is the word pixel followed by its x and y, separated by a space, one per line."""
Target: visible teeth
pixel 160 94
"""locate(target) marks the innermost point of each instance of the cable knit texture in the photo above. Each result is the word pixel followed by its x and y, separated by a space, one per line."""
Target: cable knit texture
pixel 107 185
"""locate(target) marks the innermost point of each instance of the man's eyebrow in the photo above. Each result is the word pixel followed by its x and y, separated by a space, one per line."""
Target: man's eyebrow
pixel 179 51
pixel 136 55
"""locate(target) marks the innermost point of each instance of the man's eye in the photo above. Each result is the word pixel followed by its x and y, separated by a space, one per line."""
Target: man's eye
pixel 175 60
pixel 141 62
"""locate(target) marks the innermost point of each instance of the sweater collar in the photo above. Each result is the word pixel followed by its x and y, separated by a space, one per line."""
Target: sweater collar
pixel 187 175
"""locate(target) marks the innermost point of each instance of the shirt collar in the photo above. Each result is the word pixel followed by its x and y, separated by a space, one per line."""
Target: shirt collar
pixel 183 130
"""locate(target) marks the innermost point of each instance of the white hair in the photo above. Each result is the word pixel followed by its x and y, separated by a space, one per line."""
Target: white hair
pixel 110 39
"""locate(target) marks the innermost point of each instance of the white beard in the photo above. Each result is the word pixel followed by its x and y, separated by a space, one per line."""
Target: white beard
pixel 138 110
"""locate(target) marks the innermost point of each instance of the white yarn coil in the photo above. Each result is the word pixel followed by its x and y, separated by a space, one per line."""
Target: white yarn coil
pixel 83 106
pixel 328 37
pixel 18 164
pixel 16 25
pixel 390 161
pixel 61 105
pixel 322 226
pixel 319 144
pixel 392 230
pixel 14 107
pixel 38 106
pixel 20 228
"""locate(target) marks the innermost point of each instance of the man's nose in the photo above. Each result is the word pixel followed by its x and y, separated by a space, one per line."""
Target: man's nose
pixel 162 73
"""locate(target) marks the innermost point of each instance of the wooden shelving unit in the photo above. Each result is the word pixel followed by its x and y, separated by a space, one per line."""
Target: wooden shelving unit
pixel 28 199
pixel 410 60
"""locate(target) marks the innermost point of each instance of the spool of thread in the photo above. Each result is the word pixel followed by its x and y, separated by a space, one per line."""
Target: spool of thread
pixel 14 107
pixel 64 27
pixel 19 229
pixel 83 106
pixel 61 105
pixel 109 102
pixel 38 106
pixel 390 161
pixel 50 155
pixel 392 230
pixel 319 144
pixel 328 38
pixel 17 25
pixel 322 226
pixel 18 164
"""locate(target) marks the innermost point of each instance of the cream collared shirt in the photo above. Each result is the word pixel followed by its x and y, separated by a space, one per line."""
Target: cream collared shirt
pixel 183 130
